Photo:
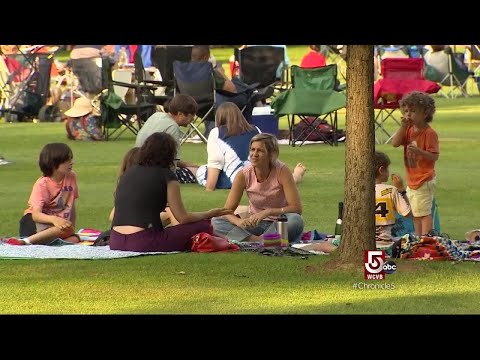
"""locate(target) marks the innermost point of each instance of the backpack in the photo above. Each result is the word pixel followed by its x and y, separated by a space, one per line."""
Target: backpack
pixel 324 131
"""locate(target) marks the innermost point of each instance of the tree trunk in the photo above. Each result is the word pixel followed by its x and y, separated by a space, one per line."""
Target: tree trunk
pixel 359 209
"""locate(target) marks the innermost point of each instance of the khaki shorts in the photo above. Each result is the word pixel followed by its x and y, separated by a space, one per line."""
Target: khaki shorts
pixel 421 199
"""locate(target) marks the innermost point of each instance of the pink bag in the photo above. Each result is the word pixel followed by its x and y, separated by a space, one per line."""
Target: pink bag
pixel 204 242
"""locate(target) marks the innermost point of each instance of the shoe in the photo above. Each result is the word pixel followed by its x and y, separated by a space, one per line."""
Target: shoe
pixel 4 162
pixel 13 241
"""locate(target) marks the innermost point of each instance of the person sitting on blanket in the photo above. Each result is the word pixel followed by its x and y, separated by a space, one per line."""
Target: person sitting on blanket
pixel 227 148
pixel 388 199
pixel 131 158
pixel 51 207
pixel 179 111
pixel 271 191
pixel 143 193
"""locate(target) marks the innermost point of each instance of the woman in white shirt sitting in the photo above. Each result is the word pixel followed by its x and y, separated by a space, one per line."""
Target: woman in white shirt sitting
pixel 227 148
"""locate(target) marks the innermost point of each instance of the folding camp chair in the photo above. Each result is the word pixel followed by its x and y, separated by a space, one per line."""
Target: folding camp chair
pixel 474 59
pixel 388 52
pixel 312 94
pixel 24 82
pixel 337 54
pixel 400 76
pixel 448 71
pixel 163 57
pixel 258 65
pixel 196 79
pixel 144 78
pixel 474 63
pixel 116 115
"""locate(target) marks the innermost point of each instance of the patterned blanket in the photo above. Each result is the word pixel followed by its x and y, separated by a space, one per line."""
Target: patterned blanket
pixel 439 248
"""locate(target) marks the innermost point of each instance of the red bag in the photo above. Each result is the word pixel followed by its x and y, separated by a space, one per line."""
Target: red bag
pixel 204 242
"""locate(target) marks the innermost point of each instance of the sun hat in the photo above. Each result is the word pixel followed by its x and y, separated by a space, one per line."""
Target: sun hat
pixel 81 107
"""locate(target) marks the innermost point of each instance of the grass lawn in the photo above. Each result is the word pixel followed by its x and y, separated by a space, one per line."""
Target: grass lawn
pixel 238 283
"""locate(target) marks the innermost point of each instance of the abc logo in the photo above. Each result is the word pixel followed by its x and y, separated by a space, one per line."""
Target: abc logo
pixel 389 267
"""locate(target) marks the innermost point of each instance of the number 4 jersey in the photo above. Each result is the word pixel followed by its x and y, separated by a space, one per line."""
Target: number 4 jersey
pixel 387 200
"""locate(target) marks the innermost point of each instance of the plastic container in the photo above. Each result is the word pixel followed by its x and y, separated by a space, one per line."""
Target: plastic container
pixel 266 123
pixel 271 240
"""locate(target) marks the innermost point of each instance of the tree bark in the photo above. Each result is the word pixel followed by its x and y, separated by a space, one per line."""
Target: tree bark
pixel 359 203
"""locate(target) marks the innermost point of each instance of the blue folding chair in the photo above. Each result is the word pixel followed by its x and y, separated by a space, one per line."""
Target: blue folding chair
pixel 196 79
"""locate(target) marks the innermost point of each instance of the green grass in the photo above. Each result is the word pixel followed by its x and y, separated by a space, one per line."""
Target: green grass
pixel 238 283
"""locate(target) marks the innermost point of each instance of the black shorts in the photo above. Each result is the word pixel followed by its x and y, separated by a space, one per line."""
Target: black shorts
pixel 27 226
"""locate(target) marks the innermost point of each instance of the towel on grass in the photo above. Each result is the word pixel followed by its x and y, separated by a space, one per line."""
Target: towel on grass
pixel 66 252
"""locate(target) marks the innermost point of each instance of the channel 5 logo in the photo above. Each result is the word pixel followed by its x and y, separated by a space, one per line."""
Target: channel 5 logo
pixel 375 265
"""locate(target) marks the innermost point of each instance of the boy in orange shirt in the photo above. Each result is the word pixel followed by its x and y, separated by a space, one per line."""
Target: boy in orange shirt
pixel 421 151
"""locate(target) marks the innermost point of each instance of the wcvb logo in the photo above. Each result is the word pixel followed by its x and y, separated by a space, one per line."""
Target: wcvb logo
pixel 375 265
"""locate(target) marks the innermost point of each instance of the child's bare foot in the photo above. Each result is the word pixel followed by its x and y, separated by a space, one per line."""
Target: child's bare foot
pixel 299 172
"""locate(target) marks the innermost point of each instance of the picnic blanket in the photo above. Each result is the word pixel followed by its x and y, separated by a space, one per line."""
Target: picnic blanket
pixel 439 248
pixel 66 252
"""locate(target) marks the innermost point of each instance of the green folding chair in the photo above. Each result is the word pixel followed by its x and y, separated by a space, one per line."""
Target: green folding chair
pixel 312 94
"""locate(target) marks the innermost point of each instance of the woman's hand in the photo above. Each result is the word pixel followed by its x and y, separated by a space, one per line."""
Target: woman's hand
pixel 219 212
pixel 254 220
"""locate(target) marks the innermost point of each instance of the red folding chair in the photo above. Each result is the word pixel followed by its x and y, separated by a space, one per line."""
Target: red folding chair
pixel 400 76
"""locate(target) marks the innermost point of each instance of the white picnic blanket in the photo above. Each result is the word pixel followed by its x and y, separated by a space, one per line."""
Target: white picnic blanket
pixel 66 252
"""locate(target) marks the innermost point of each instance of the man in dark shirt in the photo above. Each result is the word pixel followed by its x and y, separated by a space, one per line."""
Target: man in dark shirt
pixel 226 89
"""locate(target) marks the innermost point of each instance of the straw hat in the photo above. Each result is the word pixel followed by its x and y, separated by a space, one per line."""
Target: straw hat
pixel 81 107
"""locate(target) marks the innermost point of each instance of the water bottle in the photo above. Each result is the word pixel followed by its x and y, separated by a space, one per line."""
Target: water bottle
pixel 122 57
pixel 338 225
pixel 282 229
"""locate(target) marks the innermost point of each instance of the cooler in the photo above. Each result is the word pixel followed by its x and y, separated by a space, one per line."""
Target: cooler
pixel 265 120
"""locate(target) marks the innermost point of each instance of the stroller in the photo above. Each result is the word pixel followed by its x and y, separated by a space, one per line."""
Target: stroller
pixel 25 81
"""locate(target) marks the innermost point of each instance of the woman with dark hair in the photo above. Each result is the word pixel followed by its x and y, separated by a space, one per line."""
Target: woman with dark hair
pixel 143 193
